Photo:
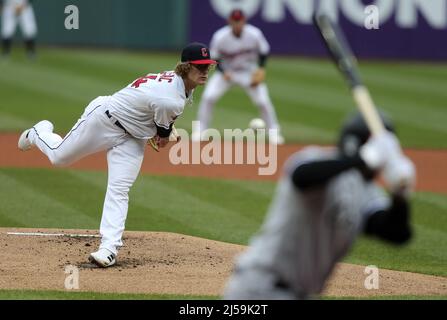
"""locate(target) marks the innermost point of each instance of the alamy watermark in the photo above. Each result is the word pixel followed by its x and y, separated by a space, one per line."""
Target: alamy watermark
pixel 72 18
pixel 251 147
pixel 372 19
pixel 372 280
pixel 72 280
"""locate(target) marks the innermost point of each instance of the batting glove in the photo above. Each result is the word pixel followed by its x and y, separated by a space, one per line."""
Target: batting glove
pixel 399 175
pixel 379 149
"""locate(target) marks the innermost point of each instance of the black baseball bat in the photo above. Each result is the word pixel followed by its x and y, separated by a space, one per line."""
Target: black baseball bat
pixel 344 59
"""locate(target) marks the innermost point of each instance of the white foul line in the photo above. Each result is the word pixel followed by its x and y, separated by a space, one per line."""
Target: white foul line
pixel 38 234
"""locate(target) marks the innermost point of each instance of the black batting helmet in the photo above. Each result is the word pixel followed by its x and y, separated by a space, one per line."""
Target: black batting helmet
pixel 355 133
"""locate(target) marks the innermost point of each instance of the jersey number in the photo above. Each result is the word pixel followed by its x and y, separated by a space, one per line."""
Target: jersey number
pixel 167 76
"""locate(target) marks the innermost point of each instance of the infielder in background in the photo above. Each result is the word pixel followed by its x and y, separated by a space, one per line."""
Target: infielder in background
pixel 122 124
pixel 18 12
pixel 242 51
pixel 324 200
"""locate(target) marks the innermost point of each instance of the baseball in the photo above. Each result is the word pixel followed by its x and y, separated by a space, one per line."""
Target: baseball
pixel 256 124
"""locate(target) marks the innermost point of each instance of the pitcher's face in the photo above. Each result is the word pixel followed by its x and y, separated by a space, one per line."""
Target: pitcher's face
pixel 199 73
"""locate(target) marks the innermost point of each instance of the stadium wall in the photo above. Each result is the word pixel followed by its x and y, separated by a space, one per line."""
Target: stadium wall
pixel 397 29
pixel 116 23
pixel 406 29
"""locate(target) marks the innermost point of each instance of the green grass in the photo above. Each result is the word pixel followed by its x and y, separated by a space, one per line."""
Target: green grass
pixel 195 206
pixel 425 254
pixel 75 295
pixel 310 96
pixel 408 297
pixel 51 198
pixel 80 295
pixel 311 100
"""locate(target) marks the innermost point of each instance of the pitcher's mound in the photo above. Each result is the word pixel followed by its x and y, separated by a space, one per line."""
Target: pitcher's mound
pixel 160 263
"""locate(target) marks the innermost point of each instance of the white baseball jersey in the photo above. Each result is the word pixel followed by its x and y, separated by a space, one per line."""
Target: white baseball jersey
pixel 239 53
pixel 26 19
pixel 153 99
pixel 238 56
pixel 15 2
pixel 306 232
pixel 156 99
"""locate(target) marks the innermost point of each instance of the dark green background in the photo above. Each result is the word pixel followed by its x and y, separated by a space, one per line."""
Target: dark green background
pixel 118 23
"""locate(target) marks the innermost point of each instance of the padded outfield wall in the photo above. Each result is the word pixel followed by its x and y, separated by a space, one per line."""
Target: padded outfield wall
pixel 406 29
pixel 118 23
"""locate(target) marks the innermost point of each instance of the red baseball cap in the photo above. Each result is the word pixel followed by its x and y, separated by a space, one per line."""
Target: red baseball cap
pixel 197 53
pixel 236 15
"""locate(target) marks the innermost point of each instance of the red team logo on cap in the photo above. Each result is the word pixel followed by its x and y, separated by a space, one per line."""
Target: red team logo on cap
pixel 204 52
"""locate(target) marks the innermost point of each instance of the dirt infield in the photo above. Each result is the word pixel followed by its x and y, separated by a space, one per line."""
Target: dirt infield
pixel 163 263
pixel 430 164
pixel 166 263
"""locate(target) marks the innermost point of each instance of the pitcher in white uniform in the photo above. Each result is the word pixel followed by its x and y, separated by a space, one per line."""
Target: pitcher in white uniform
pixel 122 124
pixel 18 12
pixel 324 200
pixel 242 52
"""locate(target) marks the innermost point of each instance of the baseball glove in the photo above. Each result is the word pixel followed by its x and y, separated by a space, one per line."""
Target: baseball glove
pixel 153 144
pixel 258 77
pixel 173 137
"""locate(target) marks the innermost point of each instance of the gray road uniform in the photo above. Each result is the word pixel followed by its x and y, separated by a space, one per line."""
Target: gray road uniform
pixel 307 230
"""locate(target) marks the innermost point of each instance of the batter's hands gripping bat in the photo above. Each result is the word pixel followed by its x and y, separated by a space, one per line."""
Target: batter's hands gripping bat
pixel 344 59
pixel 342 55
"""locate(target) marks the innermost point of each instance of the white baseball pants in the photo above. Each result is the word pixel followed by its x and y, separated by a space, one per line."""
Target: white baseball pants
pixel 217 86
pixel 26 21
pixel 94 132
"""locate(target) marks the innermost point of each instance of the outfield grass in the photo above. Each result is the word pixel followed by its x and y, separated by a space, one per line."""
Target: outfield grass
pixel 311 101
pixel 72 295
pixel 310 96
pixel 426 253
pixel 42 198
pixel 408 297
pixel 79 295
